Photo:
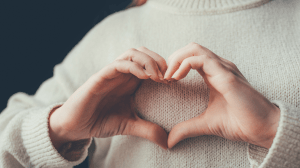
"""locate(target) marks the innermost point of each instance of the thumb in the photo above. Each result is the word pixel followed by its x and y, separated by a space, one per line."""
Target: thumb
pixel 148 130
pixel 191 128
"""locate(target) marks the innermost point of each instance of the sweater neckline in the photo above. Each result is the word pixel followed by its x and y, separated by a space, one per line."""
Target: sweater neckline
pixel 205 7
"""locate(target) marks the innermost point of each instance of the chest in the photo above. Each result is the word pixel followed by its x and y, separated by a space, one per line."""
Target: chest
pixel 272 68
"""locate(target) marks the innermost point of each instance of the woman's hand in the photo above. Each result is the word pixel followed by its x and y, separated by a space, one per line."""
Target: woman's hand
pixel 235 111
pixel 102 106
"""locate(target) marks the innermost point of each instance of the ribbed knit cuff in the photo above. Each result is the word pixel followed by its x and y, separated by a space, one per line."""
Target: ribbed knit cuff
pixel 285 150
pixel 37 142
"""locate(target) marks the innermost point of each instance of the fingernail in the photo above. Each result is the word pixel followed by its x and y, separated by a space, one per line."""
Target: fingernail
pixel 160 76
pixel 164 81
pixel 174 75
pixel 165 75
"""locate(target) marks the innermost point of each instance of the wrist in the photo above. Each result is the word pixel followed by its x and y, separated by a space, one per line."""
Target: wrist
pixel 273 123
pixel 56 133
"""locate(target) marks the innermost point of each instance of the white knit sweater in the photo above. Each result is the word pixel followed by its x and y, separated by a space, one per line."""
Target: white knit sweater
pixel 261 37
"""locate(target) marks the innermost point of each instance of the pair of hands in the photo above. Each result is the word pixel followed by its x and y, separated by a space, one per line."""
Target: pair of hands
pixel 102 106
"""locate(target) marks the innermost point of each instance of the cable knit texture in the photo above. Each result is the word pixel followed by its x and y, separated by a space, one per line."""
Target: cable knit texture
pixel 262 37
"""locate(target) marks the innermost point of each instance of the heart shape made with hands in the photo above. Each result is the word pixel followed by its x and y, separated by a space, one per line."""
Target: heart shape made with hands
pixel 102 106
pixel 236 111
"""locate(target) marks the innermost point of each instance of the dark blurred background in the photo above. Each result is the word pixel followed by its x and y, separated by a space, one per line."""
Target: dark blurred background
pixel 36 35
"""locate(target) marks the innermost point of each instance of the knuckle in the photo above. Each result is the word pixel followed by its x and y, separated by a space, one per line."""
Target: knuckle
pixel 151 60
pixel 193 43
pixel 213 62
pixel 142 48
pixel 135 64
pixel 196 45
pixel 95 78
pixel 160 59
pixel 186 61
pixel 230 77
pixel 131 51
pixel 116 62
pixel 207 58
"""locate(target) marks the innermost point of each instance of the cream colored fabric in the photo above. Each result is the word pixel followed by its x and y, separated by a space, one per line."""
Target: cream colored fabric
pixel 261 37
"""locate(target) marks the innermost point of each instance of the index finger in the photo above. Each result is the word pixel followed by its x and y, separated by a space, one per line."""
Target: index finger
pixel 161 62
pixel 190 50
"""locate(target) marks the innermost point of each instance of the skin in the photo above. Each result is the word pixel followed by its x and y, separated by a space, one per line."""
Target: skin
pixel 235 111
pixel 101 107
pixel 140 2
pixel 136 3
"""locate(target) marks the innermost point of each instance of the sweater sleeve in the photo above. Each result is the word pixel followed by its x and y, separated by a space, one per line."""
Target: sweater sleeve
pixel 285 150
pixel 24 128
